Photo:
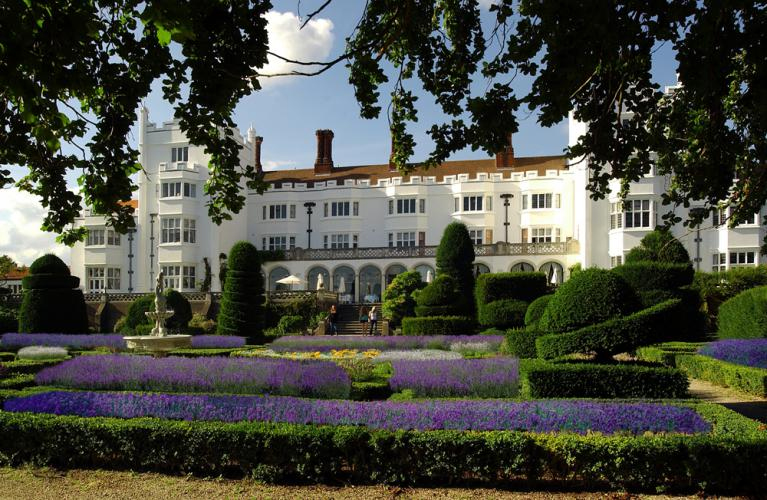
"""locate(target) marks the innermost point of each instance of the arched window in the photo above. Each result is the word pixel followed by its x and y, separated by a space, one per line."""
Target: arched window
pixel 277 274
pixel 522 267
pixel 392 271
pixel 480 269
pixel 370 284
pixel 314 278
pixel 554 272
pixel 343 283
pixel 424 270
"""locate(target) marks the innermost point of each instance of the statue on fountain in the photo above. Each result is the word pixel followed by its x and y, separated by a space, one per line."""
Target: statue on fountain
pixel 160 313
pixel 159 297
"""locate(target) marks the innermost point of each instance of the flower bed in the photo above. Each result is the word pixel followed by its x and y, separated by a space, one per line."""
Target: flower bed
pixel 578 417
pixel 112 341
pixel 746 352
pixel 483 378
pixel 208 374
pixel 417 355
pixel 443 342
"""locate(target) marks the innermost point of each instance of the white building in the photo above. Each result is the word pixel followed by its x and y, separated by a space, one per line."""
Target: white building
pixel 363 225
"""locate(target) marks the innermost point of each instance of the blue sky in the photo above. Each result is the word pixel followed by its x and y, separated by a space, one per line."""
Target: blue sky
pixel 288 110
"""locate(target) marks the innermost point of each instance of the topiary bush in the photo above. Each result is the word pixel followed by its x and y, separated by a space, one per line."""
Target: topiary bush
pixel 588 298
pixel 745 315
pixel 398 301
pixel 9 320
pixel 136 314
pixel 502 313
pixel 659 246
pixel 651 275
pixel 440 297
pixel 520 342
pixel 524 286
pixel 455 258
pixel 182 310
pixel 241 311
pixel 51 301
pixel 438 325
pixel 290 324
pixel 535 311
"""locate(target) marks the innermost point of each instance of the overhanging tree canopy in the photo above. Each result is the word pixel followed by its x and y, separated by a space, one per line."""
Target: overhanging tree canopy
pixel 589 57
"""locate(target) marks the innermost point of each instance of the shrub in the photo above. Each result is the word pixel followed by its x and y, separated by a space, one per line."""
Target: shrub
pixel 9 320
pixel 455 258
pixel 241 311
pixel 520 342
pixel 745 315
pixel 535 311
pixel 290 324
pixel 200 325
pixel 743 378
pixel 586 380
pixel 660 246
pixel 588 298
pixel 440 298
pixel 398 299
pixel 614 336
pixel 502 313
pixel 136 312
pixel 651 275
pixel 438 325
pixel 182 310
pixel 119 326
pixel 520 286
pixel 49 264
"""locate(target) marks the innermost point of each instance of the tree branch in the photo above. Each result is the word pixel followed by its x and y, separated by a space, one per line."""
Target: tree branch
pixel 310 16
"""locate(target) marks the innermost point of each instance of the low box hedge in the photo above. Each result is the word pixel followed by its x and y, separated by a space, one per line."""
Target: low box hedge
pixel 587 380
pixel 23 366
pixel 729 459
pixel 502 313
pixel 667 352
pixel 613 336
pixel 375 390
pixel 17 381
pixel 201 353
pixel 438 325
pixel 524 286
pixel 743 378
pixel 7 356
pixel 520 342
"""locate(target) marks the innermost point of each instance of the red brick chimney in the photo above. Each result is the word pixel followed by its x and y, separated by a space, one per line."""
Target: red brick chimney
pixel 259 140
pixel 505 157
pixel 324 162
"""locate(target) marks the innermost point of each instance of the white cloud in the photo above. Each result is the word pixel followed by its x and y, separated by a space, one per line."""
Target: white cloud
pixel 279 164
pixel 20 236
pixel 312 43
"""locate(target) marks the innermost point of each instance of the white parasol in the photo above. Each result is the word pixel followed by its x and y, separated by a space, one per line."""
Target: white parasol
pixel 320 282
pixel 290 280
pixel 429 276
pixel 342 285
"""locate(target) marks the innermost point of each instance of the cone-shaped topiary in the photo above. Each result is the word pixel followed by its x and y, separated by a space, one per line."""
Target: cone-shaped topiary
pixel 241 310
pixel 51 301
pixel 587 298
pixel 455 258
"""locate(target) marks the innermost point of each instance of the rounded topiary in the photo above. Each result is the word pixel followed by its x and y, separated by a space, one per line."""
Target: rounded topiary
pixel 505 313
pixel 182 310
pixel 660 246
pixel 439 298
pixel 241 311
pixel 652 275
pixel 49 264
pixel 455 258
pixel 136 312
pixel 53 304
pixel 535 311
pixel 587 298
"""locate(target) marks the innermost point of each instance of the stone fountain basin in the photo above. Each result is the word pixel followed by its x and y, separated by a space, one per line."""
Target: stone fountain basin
pixel 155 343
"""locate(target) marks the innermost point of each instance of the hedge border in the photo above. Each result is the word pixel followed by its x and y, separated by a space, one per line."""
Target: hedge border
pixel 747 379
pixel 730 459
pixel 438 325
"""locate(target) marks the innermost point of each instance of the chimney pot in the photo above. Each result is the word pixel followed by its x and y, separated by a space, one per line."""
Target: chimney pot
pixel 324 162
pixel 505 157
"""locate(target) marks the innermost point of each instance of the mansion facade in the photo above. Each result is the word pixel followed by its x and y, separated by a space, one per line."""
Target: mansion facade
pixel 354 228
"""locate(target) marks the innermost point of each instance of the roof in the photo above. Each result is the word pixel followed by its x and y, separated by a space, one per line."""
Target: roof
pixel 17 274
pixel 375 172
pixel 129 203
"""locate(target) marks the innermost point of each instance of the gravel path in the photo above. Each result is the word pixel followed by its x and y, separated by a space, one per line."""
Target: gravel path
pixel 745 404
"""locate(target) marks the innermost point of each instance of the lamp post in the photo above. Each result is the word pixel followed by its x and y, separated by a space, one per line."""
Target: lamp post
pixel 309 205
pixel 131 232
pixel 151 248
pixel 701 213
pixel 506 197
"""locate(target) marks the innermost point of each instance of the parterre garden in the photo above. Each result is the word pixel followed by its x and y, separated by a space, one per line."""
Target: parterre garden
pixel 524 385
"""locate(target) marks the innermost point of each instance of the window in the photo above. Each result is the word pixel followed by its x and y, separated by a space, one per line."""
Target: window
pixel 190 190
pixel 719 263
pixel 422 206
pixel 100 278
pixel 406 206
pixel 616 216
pixel 279 211
pixel 402 239
pixel 544 234
pixel 539 201
pixel 472 203
pixel 172 276
pixel 95 237
pixel 171 189
pixel 741 259
pixel 637 213
pixel 616 260
pixel 476 236
pixel 339 209
pixel 391 207
pixel 356 208
pixel 179 154
pixel 170 230
pixel 340 240
pixel 188 278
pixel 190 231
pixel 113 237
pixel 281 242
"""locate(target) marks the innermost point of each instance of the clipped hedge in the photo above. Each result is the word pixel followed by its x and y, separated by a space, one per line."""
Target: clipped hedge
pixel 502 313
pixel 586 380
pixel 614 336
pixel 588 298
pixel 441 297
pixel 520 342
pixel 667 352
pixel 535 311
pixel 438 325
pixel 241 309
pixel 745 315
pixel 53 310
pixel 651 275
pixel 38 281
pixel 743 378
pixel 728 460
pixel 49 264
pixel 518 285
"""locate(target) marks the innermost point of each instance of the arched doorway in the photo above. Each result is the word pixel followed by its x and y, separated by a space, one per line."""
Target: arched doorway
pixel 554 272
pixel 522 267
pixel 314 274
pixel 370 284
pixel 277 274
pixel 480 268
pixel 392 271
pixel 344 274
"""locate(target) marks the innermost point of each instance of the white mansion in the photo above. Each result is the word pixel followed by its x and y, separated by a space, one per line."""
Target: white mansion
pixel 368 223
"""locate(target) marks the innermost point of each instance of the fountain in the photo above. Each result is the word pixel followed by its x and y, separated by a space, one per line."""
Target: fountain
pixel 158 342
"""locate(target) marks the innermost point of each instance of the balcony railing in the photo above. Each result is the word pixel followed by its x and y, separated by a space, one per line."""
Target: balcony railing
pixel 552 248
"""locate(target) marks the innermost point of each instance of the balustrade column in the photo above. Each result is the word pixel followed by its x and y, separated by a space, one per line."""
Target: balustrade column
pixel 357 287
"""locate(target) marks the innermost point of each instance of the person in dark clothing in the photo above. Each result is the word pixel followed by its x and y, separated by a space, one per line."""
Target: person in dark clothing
pixel 332 319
